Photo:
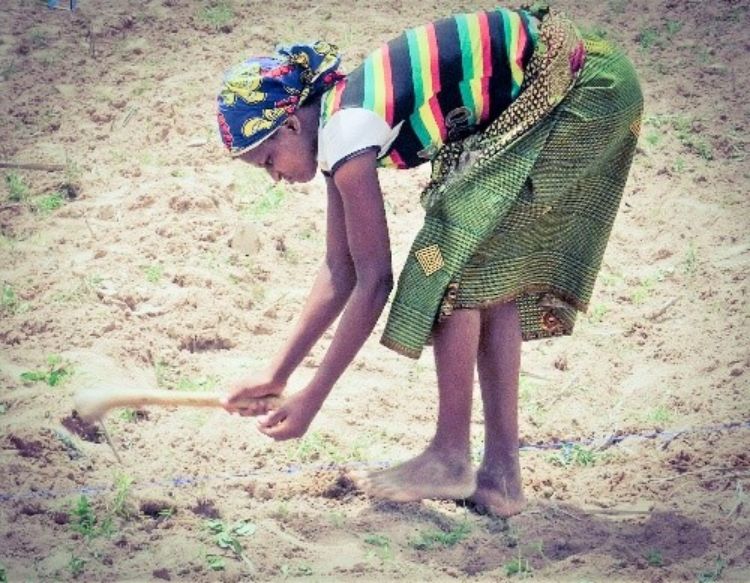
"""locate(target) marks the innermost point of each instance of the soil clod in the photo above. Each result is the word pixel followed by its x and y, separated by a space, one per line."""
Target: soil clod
pixel 84 429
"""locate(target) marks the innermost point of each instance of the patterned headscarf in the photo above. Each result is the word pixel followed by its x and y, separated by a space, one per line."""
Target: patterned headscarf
pixel 259 94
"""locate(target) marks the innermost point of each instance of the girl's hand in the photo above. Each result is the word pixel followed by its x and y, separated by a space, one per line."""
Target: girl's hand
pixel 251 387
pixel 292 418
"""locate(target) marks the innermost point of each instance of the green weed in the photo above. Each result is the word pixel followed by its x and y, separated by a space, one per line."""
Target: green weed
pixel 288 570
pixel 57 372
pixel 518 566
pixel 648 38
pixel 49 203
pixel 76 565
pixel 9 302
pixel 644 290
pixel 337 519
pixel 659 414
pixel 121 505
pixel 574 455
pixel 197 384
pixel 690 262
pixel 271 200
pixel 38 38
pixel 597 313
pixel 654 558
pixel 7 71
pixel 84 289
pixel 673 27
pixel 3 574
pixel 215 562
pixel 318 446
pixel 85 521
pixel 153 273
pixel 129 415
pixel 652 138
pixel 18 191
pixel 227 538
pixel 618 6
pixel 679 165
pixel 431 539
pixel 383 546
pixel 714 574
pixel 3 411
pixel 218 14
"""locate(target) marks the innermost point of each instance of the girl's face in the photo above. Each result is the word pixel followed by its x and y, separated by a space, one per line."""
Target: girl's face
pixel 289 154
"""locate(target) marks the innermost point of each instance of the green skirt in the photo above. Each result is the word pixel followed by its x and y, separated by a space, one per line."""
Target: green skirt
pixel 529 221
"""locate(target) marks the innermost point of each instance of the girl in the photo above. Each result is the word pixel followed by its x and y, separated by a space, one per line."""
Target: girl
pixel 530 130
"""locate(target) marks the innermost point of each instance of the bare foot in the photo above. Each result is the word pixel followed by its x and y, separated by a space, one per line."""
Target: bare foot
pixel 433 474
pixel 498 494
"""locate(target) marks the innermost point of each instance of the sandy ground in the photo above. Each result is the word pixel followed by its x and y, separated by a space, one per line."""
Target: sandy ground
pixel 118 271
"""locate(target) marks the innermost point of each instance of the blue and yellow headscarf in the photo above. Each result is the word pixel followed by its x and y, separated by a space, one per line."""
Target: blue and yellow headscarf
pixel 259 94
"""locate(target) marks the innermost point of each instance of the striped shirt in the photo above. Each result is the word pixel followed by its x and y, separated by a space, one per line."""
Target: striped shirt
pixel 428 86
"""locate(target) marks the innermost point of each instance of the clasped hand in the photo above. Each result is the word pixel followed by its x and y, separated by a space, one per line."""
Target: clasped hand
pixel 288 419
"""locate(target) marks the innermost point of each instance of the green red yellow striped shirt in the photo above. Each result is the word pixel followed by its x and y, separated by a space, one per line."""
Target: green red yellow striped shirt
pixel 471 64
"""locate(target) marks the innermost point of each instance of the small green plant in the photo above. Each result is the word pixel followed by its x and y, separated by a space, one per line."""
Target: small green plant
pixel 71 184
pixel 690 263
pixel 76 565
pixel 121 505
pixel 648 38
pixel 17 189
pixel 3 411
pixel 215 562
pixel 574 455
pixel 3 574
pixel 653 138
pixel 228 537
pixel 49 203
pixel 679 165
pixel 382 546
pixel 58 371
pixel 644 290
pixel 197 384
pixel 597 313
pixel 673 27
pixel 86 522
pixel 288 570
pixel 654 558
pixel 271 200
pixel 337 519
pixel 714 574
pixel 153 273
pixel 218 14
pixel 38 38
pixel 659 414
pixel 7 71
pixel 518 566
pixel 8 299
pixel 129 415
pixel 430 539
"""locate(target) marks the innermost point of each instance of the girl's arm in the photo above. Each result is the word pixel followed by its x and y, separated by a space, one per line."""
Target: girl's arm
pixel 369 249
pixel 330 291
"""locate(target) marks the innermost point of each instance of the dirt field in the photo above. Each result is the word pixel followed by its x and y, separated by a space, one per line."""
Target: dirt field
pixel 125 268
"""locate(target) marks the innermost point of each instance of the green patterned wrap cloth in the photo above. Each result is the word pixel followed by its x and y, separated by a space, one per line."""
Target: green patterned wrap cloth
pixel 523 211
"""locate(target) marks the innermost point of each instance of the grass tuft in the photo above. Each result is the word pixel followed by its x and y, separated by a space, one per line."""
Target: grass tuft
pixel 431 539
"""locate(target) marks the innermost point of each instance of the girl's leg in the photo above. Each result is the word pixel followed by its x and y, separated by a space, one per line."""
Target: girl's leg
pixel 443 470
pixel 499 488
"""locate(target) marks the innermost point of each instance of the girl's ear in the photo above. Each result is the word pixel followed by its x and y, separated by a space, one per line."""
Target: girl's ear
pixel 293 123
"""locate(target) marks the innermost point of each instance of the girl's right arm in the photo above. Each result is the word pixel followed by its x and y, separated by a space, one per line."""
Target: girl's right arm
pixel 330 291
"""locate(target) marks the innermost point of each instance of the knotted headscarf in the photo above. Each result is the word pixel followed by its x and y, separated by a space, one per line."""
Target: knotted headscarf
pixel 259 94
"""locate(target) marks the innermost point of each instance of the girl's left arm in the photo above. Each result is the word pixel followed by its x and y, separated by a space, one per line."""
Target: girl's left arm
pixel 369 246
